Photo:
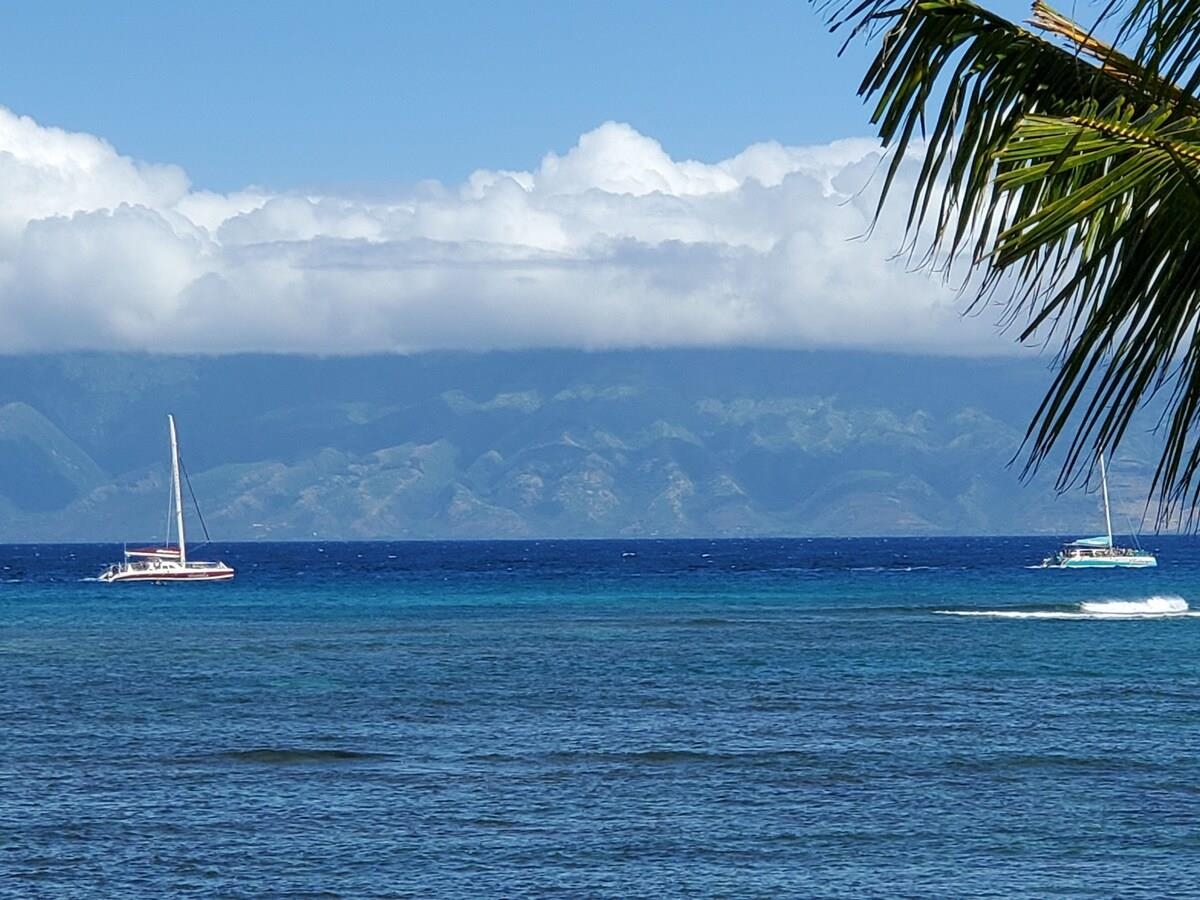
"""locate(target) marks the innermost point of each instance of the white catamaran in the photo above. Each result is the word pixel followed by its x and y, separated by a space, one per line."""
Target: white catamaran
pixel 1100 552
pixel 168 563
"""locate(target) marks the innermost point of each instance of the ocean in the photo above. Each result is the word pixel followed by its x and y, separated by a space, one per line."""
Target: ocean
pixel 735 718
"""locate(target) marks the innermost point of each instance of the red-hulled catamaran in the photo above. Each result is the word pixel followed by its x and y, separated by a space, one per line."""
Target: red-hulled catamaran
pixel 168 563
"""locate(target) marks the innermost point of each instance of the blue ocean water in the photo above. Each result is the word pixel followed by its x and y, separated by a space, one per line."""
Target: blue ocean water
pixel 805 718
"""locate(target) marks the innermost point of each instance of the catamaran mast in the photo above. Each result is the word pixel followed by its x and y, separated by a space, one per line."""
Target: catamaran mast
pixel 1103 487
pixel 177 490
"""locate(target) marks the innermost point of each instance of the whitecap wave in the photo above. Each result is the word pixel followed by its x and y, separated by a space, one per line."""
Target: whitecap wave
pixel 895 568
pixel 1150 606
pixel 1155 607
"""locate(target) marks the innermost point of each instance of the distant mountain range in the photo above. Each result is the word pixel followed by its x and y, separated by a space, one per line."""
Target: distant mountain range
pixel 536 444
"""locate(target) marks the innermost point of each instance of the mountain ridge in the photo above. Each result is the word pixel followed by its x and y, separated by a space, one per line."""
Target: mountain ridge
pixel 699 443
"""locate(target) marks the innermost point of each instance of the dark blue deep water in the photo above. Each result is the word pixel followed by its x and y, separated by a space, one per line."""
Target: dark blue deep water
pixel 824 718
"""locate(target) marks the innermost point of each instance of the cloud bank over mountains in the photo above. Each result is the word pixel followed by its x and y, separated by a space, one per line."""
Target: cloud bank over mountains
pixel 612 244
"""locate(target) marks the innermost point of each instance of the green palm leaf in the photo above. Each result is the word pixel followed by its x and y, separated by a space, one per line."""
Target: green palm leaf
pixel 1067 173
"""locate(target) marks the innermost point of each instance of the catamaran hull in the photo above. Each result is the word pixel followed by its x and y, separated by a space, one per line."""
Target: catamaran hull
pixel 131 573
pixel 1132 562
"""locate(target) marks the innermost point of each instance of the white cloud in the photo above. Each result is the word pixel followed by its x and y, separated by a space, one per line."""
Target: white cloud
pixel 612 244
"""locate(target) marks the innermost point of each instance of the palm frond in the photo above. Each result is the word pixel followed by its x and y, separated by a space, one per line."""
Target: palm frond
pixel 1071 171
pixel 1115 191
pixel 1165 38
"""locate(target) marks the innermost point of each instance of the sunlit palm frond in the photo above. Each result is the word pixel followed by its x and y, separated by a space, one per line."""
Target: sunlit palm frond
pixel 962 78
pixel 1164 38
pixel 1119 192
pixel 1070 170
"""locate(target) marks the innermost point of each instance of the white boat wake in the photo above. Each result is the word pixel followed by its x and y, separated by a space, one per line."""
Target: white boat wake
pixel 1156 607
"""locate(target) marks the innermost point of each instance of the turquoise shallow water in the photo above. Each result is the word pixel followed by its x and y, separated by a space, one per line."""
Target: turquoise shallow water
pixel 849 718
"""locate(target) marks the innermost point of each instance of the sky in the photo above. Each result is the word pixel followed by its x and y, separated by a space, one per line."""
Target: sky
pixel 396 177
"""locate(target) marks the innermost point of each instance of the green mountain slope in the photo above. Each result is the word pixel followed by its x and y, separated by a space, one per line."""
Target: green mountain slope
pixel 554 444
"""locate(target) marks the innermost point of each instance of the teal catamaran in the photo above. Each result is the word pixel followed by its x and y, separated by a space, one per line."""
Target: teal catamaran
pixel 1100 552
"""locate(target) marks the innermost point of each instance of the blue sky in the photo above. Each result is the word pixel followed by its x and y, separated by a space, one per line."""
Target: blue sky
pixel 371 177
pixel 301 94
